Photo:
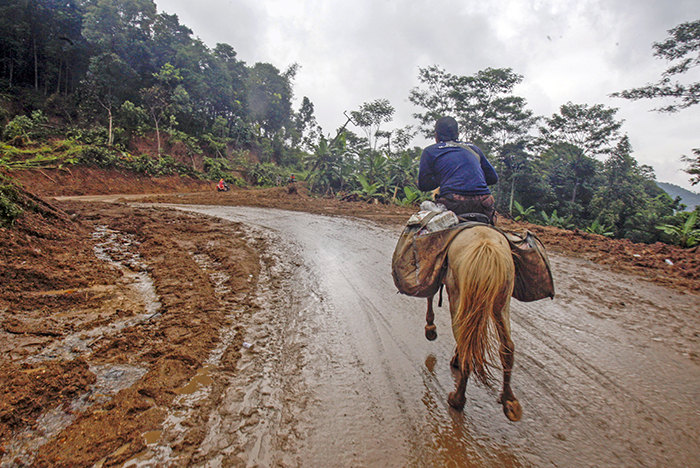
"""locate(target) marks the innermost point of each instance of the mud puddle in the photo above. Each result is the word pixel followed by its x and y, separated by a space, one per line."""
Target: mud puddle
pixel 252 408
pixel 116 249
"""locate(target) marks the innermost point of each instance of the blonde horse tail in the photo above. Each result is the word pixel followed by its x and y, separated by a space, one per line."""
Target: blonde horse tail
pixel 484 273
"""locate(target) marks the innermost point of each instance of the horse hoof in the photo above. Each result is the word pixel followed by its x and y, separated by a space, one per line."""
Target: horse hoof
pixel 512 410
pixel 455 401
pixel 431 332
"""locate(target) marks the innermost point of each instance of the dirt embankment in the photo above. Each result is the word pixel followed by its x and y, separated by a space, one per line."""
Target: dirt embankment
pixel 73 313
pixel 66 314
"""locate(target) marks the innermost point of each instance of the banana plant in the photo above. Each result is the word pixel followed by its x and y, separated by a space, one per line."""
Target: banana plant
pixel 557 221
pixel 686 235
pixel 368 191
pixel 523 214
pixel 597 227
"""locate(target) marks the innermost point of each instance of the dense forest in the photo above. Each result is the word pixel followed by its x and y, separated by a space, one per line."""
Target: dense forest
pixel 115 84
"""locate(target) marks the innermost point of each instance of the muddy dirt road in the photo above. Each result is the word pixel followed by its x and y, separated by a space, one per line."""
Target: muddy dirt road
pixel 340 374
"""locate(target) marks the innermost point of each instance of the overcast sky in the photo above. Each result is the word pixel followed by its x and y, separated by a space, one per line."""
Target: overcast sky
pixel 357 51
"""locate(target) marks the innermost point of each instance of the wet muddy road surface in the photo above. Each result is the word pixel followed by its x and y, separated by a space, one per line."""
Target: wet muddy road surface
pixel 340 374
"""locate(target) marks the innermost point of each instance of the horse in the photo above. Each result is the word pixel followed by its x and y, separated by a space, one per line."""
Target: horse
pixel 479 282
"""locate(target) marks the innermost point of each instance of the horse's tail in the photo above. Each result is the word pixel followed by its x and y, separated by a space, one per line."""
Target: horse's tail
pixel 484 271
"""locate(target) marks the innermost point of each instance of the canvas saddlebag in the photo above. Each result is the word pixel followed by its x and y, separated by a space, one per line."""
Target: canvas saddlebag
pixel 419 262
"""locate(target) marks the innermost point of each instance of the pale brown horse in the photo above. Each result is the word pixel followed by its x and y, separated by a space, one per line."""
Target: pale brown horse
pixel 479 284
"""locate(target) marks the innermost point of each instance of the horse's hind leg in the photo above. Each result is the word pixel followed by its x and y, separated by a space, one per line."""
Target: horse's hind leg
pixel 430 329
pixel 457 398
pixel 511 405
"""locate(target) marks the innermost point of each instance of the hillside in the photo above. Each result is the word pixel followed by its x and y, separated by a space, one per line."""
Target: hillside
pixel 691 199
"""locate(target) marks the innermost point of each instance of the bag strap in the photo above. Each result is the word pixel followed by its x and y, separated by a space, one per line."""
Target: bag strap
pixel 468 148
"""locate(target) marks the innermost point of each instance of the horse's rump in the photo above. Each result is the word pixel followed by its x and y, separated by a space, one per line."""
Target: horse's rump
pixel 479 282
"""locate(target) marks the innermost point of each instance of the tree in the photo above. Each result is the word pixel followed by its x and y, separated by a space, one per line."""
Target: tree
pixel 573 176
pixel 371 116
pixel 483 105
pixel 627 193
pixel 593 129
pixel 122 27
pixel 107 82
pixel 159 97
pixel 270 96
pixel 682 49
pixel 693 166
pixel 305 125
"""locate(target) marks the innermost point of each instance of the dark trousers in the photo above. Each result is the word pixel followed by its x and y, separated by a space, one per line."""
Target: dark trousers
pixel 462 204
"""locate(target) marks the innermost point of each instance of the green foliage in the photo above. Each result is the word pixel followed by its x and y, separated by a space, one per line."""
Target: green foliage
pixel 693 167
pixel 264 174
pixel 133 118
pixel 483 104
pixel 218 168
pixel 96 135
pixel 10 203
pixel 370 117
pixel 413 196
pixel 367 191
pixel 598 228
pixel 523 214
pixel 25 127
pixel 563 222
pixel 685 235
pixel 592 129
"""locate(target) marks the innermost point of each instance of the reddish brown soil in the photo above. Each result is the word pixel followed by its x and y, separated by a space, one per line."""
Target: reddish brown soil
pixel 54 286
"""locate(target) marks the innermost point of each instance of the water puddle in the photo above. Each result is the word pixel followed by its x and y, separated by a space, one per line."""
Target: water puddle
pixel 200 380
pixel 197 390
pixel 191 397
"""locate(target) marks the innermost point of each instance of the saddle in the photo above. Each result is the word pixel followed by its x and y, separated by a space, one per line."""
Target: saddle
pixel 419 262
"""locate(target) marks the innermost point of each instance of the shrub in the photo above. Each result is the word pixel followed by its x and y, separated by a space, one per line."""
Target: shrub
pixel 10 208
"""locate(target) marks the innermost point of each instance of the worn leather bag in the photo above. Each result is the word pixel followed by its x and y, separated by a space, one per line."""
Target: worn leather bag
pixel 419 262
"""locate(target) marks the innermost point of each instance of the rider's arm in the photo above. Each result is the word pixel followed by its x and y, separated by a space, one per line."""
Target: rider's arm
pixel 427 179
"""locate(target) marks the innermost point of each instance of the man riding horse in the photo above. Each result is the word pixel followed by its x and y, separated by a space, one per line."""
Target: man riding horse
pixel 460 170
pixel 480 269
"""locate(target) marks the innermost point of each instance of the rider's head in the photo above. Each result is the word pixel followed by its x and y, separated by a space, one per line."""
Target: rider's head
pixel 446 129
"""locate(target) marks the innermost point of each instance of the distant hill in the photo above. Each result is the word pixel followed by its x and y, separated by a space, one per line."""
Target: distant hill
pixel 689 198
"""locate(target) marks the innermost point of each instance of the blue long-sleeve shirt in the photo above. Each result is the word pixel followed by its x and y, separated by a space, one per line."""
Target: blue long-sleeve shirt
pixel 456 170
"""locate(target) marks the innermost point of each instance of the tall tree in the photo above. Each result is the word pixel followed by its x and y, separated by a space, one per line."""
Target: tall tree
pixel 483 105
pixel 108 81
pixel 573 177
pixel 370 117
pixel 270 96
pixel 682 50
pixel 122 27
pixel 627 191
pixel 593 129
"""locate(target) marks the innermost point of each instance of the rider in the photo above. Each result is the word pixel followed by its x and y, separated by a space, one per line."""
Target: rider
pixel 222 186
pixel 460 170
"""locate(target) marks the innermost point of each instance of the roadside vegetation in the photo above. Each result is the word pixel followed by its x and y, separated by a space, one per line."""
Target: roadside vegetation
pixel 114 84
